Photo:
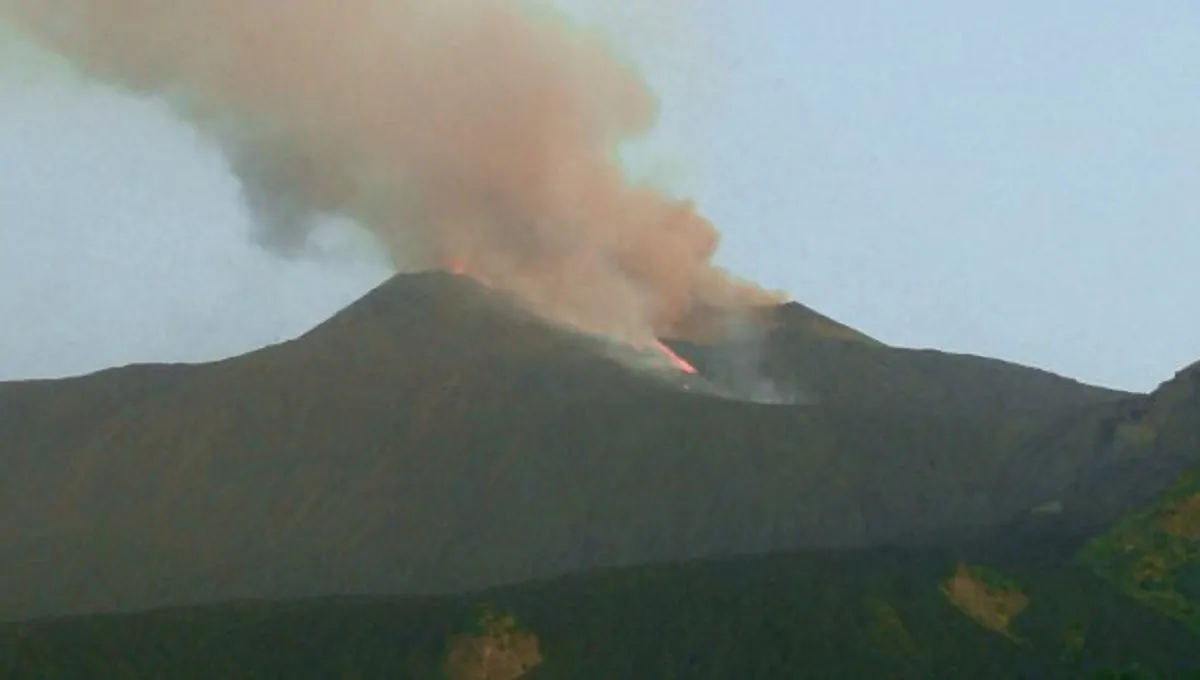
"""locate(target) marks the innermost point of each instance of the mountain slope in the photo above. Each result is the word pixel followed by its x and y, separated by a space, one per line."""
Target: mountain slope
pixel 1153 554
pixel 433 438
pixel 845 614
pixel 896 613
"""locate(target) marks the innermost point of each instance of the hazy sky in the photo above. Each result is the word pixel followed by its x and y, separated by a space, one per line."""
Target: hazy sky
pixel 1018 179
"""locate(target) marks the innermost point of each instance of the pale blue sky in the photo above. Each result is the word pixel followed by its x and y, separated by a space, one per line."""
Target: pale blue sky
pixel 1017 179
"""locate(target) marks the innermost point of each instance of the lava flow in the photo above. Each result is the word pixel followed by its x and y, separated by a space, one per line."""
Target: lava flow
pixel 676 360
pixel 456 267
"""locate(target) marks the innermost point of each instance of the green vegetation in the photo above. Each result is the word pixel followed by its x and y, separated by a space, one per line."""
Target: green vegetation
pixel 877 614
pixel 1154 555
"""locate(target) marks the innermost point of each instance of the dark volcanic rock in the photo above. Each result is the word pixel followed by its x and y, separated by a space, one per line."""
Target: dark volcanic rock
pixel 432 437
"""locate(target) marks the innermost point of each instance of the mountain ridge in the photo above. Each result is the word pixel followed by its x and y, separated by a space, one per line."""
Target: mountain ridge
pixel 431 438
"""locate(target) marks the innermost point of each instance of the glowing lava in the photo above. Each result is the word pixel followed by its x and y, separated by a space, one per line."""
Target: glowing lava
pixel 456 267
pixel 676 360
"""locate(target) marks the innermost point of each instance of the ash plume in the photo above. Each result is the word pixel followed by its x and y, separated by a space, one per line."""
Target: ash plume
pixel 480 132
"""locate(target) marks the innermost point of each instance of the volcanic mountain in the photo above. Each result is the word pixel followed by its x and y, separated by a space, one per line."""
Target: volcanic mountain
pixel 433 437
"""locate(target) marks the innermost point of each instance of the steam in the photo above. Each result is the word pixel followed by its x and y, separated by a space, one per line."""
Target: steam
pixel 737 365
pixel 483 132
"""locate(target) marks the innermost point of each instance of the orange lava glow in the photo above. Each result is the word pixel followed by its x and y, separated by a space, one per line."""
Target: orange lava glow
pixel 456 267
pixel 676 360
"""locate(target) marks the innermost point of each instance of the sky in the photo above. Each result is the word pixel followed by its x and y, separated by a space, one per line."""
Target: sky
pixel 1014 179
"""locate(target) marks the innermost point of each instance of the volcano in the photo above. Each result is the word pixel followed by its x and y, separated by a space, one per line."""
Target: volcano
pixel 434 437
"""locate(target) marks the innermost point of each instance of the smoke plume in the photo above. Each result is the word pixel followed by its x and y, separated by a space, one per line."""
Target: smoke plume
pixel 479 132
